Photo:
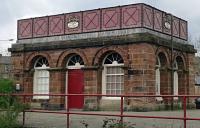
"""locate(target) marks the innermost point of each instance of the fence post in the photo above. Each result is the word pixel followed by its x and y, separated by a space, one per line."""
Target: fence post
pixel 121 110
pixel 184 107
pixel 24 101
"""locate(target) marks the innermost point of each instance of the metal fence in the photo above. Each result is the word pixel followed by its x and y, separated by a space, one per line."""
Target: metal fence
pixel 122 115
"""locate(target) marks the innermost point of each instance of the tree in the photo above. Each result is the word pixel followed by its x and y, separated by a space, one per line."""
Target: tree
pixel 10 107
pixel 197 46
pixel 196 43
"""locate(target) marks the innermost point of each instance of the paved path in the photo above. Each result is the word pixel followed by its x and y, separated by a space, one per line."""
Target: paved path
pixel 44 120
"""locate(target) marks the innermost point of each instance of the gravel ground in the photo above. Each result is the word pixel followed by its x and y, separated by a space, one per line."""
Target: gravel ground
pixel 44 120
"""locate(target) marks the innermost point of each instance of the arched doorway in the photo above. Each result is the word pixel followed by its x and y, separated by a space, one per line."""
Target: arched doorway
pixel 75 81
pixel 41 78
pixel 113 75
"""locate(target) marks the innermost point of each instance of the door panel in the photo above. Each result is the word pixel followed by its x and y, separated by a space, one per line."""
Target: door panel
pixel 75 86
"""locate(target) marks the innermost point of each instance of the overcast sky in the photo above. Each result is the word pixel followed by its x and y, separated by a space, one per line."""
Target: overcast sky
pixel 12 10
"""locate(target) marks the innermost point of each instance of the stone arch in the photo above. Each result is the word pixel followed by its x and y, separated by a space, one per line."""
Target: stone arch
pixel 162 59
pixel 101 53
pixel 32 58
pixel 148 47
pixel 66 54
pixel 180 57
pixel 163 72
pixel 180 61
pixel 163 51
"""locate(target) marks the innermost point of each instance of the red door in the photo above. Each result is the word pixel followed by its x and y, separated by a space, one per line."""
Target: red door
pixel 75 86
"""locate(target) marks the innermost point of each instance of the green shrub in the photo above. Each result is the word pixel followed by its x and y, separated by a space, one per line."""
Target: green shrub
pixel 10 106
pixel 6 86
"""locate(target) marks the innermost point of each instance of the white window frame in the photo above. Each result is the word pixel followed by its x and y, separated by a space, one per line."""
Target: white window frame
pixel 175 80
pixel 104 75
pixel 157 81
pixel 36 89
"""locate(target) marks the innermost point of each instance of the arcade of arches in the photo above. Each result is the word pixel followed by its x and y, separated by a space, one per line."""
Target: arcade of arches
pixel 119 69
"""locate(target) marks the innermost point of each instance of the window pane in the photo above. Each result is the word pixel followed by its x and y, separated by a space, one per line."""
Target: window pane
pixel 42 61
pixel 108 87
pixel 109 70
pixel 109 79
pixel 107 91
pixel 114 80
pixel 122 79
pixel 122 86
pixel 118 79
pixel 118 86
pixel 114 70
pixel 122 70
pixel 118 92
pixel 112 91
pixel 113 57
pixel 113 86
pixel 74 60
pixel 41 85
pixel 118 70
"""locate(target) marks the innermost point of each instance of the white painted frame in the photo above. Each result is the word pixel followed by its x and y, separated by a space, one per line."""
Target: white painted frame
pixel 39 69
pixel 114 64
pixel 157 80
pixel 175 80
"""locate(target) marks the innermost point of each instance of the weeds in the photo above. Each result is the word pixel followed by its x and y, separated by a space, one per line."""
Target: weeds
pixel 114 123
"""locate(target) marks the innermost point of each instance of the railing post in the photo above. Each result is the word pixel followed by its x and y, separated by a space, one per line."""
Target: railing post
pixel 24 101
pixel 184 107
pixel 122 110
pixel 67 110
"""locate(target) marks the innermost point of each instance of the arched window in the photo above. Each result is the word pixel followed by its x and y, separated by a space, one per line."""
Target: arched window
pixel 175 79
pixel 75 61
pixel 113 75
pixel 181 76
pixel 41 78
pixel 158 65
pixel 161 62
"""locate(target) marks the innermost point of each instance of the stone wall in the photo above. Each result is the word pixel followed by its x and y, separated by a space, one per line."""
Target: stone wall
pixel 139 66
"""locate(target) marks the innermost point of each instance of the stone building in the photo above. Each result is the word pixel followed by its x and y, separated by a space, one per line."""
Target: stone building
pixel 118 50
pixel 5 67
pixel 197 75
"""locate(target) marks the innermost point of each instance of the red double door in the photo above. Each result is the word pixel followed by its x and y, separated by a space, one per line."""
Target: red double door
pixel 75 86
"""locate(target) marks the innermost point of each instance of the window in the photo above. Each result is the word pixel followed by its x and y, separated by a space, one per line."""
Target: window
pixel 157 86
pixel 175 80
pixel 113 75
pixel 197 80
pixel 114 80
pixel 41 78
pixel 157 81
pixel 161 63
pixel 75 62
